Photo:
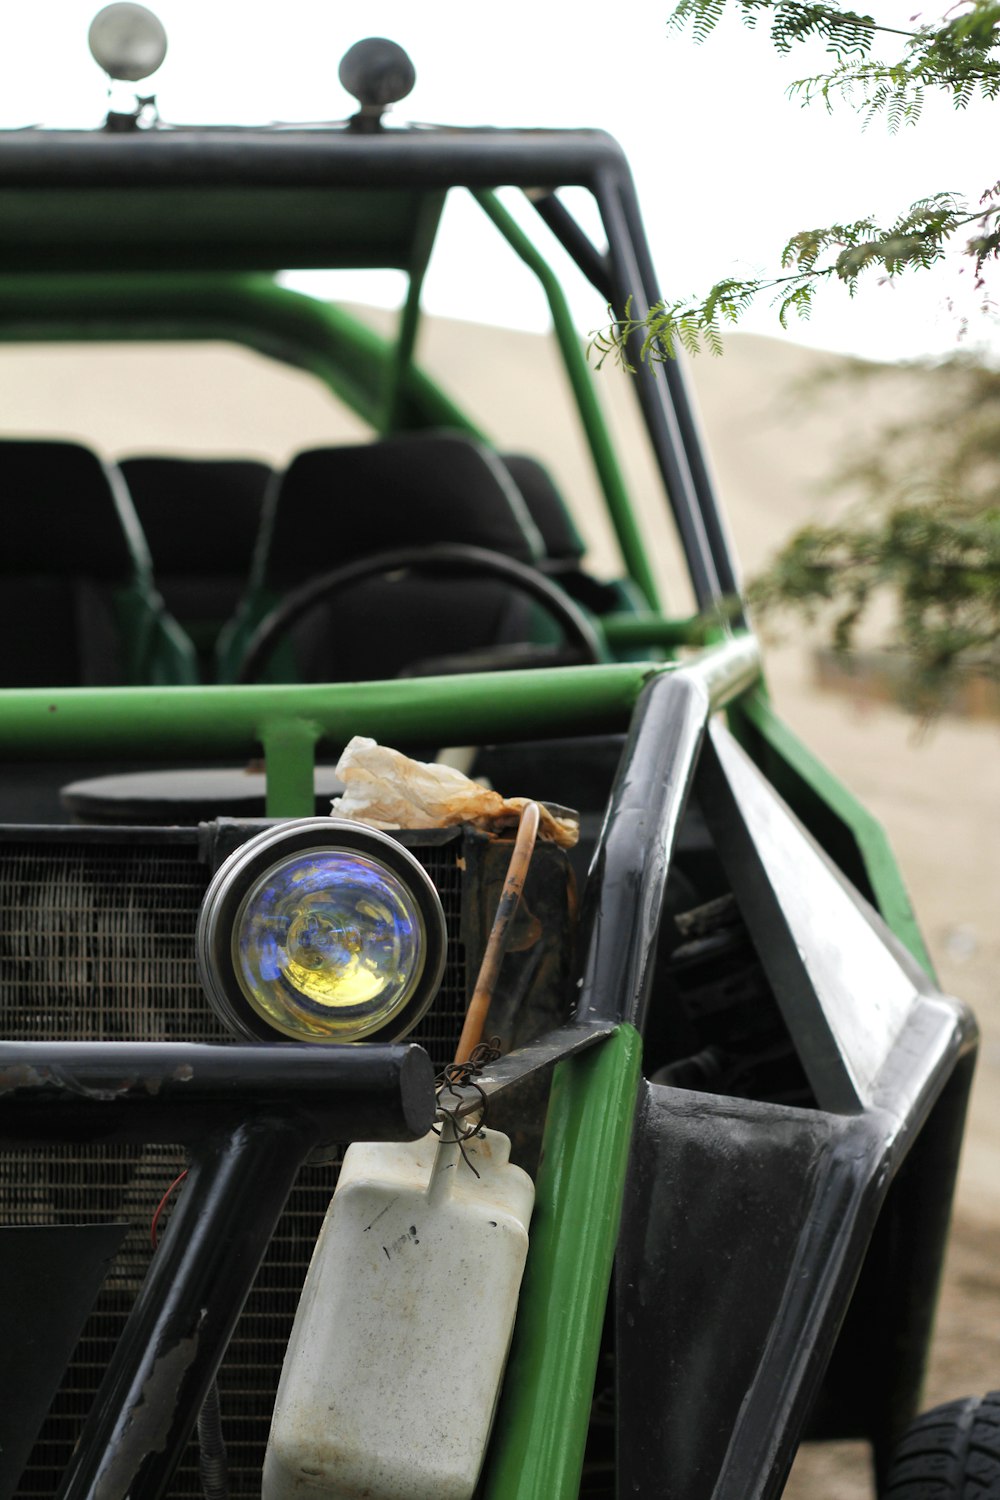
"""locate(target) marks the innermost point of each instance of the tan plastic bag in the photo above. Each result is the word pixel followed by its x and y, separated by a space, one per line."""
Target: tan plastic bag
pixel 387 789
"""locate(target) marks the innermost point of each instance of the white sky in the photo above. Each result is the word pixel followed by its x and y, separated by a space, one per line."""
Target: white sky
pixel 726 166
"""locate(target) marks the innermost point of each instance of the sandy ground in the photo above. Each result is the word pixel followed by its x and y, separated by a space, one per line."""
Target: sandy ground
pixel 937 793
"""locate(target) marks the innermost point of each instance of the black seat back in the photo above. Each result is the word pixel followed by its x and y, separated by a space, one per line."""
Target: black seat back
pixel 201 517
pixel 77 607
pixel 336 505
pixel 560 538
pixel 564 546
pixel 412 490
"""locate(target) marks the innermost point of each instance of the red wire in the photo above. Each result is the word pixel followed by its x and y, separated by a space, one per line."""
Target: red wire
pixel 154 1224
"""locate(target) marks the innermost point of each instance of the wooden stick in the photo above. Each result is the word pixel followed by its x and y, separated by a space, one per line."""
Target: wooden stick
pixel 489 969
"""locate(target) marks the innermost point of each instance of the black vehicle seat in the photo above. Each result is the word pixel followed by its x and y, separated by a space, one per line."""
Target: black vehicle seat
pixel 77 603
pixel 201 517
pixel 560 537
pixel 336 505
pixel 564 546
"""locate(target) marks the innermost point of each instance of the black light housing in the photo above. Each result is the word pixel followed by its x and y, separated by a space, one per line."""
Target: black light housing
pixel 127 41
pixel 378 72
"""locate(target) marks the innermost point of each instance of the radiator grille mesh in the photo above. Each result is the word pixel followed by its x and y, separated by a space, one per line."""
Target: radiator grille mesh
pixel 97 942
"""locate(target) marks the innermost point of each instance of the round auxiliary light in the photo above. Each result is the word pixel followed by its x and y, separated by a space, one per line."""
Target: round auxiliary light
pixel 321 931
pixel 127 41
pixel 377 72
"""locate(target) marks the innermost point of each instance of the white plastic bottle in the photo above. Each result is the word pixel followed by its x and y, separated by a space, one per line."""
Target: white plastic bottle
pixel 394 1365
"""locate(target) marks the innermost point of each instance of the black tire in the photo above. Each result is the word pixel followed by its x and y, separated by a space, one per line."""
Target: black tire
pixel 950 1453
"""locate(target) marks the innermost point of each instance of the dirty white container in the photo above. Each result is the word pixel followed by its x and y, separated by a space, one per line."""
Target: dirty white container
pixel 394 1365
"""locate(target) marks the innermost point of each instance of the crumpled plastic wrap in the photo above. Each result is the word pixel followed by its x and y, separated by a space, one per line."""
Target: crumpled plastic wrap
pixel 387 789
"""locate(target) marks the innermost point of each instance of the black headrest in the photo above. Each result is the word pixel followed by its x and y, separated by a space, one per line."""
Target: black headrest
pixel 549 513
pixel 200 515
pixel 62 511
pixel 337 504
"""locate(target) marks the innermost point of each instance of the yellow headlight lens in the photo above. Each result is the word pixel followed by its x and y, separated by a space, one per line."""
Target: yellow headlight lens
pixel 328 944
pixel 321 930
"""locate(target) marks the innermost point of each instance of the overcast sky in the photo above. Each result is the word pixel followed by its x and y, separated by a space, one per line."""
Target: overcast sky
pixel 726 166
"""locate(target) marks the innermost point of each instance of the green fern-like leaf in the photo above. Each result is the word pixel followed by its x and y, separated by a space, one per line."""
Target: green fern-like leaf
pixel 704 16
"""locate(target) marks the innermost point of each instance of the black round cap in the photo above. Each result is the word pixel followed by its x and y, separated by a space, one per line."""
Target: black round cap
pixel 377 72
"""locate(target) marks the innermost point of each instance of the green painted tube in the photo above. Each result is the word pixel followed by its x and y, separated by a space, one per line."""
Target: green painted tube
pixel 401 368
pixel 471 709
pixel 290 758
pixel 206 721
pixel 654 630
pixel 352 360
pixel 541 1430
pixel 630 538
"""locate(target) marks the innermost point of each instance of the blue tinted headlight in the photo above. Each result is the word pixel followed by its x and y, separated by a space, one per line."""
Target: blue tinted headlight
pixel 321 931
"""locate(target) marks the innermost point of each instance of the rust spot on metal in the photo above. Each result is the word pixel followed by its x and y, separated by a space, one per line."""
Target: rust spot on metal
pixel 21 1076
pixel 24 1076
pixel 113 1091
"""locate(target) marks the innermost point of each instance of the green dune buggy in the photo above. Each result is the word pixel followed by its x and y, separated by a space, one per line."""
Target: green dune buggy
pixel 720 1053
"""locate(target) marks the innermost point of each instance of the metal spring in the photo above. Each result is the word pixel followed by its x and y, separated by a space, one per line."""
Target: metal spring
pixel 449 1083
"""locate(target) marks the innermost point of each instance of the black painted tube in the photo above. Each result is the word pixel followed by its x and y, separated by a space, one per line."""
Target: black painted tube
pixel 165 1091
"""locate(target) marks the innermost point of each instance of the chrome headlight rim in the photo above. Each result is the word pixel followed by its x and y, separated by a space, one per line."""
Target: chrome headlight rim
pixel 239 875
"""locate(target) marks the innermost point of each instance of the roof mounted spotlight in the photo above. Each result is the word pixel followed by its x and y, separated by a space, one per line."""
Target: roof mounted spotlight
pixel 378 73
pixel 129 43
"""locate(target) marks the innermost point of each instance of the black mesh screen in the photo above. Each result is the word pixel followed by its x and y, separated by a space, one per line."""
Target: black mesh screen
pixel 97 941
